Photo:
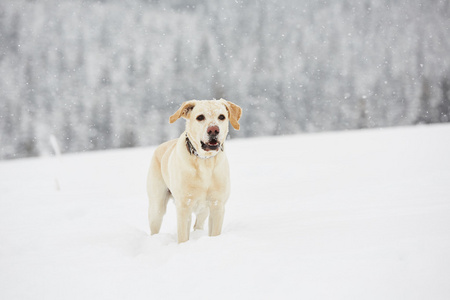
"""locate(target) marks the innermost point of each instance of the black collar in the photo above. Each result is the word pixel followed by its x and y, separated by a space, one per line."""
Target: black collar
pixel 190 147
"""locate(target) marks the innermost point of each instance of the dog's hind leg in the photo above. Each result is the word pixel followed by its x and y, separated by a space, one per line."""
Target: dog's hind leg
pixel 200 219
pixel 184 217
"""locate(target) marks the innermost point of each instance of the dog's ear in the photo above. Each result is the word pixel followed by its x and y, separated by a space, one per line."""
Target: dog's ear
pixel 183 111
pixel 234 113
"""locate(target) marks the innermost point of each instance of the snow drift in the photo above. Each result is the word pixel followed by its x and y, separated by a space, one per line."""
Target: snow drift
pixel 355 215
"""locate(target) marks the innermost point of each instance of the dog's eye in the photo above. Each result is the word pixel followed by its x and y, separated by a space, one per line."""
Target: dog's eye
pixel 200 117
pixel 221 117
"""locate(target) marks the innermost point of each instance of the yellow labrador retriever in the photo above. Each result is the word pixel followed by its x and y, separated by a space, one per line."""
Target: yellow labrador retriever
pixel 193 169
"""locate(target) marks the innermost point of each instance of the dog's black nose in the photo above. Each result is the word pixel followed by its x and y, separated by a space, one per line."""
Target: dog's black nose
pixel 213 130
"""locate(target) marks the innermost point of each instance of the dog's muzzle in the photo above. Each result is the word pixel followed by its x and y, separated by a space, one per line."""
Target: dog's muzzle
pixel 211 145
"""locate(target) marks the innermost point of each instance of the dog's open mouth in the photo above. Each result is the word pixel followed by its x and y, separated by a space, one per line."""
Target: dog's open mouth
pixel 212 145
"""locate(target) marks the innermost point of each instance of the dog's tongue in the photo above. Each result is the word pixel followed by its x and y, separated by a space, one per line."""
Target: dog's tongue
pixel 212 145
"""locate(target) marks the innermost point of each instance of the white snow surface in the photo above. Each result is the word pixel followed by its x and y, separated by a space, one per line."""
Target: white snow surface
pixel 349 215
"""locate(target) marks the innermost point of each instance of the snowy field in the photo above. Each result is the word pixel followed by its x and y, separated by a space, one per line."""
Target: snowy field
pixel 354 215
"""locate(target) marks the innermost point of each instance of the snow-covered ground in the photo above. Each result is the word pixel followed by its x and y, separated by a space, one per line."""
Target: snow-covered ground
pixel 354 215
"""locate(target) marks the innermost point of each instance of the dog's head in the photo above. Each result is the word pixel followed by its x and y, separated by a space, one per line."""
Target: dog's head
pixel 207 123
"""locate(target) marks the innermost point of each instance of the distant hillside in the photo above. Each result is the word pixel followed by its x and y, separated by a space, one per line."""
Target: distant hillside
pixel 107 74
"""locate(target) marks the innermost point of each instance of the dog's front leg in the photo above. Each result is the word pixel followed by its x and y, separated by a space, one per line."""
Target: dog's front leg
pixel 184 216
pixel 217 211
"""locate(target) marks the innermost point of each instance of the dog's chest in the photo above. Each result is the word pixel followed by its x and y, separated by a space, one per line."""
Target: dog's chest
pixel 203 173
